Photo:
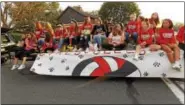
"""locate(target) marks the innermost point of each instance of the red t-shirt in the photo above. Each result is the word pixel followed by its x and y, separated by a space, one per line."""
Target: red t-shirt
pixel 151 21
pixel 60 33
pixel 180 35
pixel 131 27
pixel 29 44
pixel 47 44
pixel 139 26
pixel 39 33
pixel 145 36
pixel 57 33
pixel 166 36
pixel 72 31
pixel 88 26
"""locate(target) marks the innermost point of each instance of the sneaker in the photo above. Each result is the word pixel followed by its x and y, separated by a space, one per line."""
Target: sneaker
pixel 14 67
pixel 75 49
pixel 80 49
pixel 176 66
pixel 21 67
pixel 99 49
pixel 136 58
pixel 56 51
pixel 87 50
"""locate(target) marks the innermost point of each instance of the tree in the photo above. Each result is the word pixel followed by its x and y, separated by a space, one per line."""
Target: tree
pixel 5 9
pixel 177 25
pixel 27 13
pixel 118 11
pixel 94 13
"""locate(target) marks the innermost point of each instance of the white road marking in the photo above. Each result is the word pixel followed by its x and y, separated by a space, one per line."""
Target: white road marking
pixel 178 93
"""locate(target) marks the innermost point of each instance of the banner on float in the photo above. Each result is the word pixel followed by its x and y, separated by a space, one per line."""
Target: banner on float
pixel 107 63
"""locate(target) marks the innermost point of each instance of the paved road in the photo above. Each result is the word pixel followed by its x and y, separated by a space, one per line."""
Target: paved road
pixel 33 89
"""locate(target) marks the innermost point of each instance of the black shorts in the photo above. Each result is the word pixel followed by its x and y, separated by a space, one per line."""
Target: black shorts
pixel 27 53
pixel 182 46
pixel 49 49
pixel 19 51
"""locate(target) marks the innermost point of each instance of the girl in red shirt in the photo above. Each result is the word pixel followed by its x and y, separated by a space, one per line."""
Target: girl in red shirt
pixel 73 35
pixel 168 43
pixel 57 34
pixel 40 33
pixel 139 22
pixel 154 21
pixel 180 39
pixel 180 35
pixel 86 34
pixel 63 33
pixel 144 37
pixel 48 45
pixel 131 29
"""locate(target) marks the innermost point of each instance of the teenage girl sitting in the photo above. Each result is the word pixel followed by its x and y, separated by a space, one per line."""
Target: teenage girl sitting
pixel 169 44
pixel 30 47
pixel 144 37
pixel 115 40
pixel 48 45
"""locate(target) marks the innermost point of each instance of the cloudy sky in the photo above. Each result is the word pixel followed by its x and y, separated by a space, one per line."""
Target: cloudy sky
pixel 172 10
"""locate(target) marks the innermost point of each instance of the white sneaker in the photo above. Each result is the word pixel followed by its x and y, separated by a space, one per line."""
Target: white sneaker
pixel 87 50
pixel 75 49
pixel 14 67
pixel 80 49
pixel 56 51
pixel 99 49
pixel 176 66
pixel 21 67
pixel 136 58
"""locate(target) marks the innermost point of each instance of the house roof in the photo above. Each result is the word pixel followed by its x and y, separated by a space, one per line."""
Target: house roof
pixel 78 11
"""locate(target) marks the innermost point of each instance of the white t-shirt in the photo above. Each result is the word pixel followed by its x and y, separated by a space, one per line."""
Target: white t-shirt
pixel 115 39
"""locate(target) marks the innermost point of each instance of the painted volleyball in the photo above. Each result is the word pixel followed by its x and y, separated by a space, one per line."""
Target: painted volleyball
pixel 106 66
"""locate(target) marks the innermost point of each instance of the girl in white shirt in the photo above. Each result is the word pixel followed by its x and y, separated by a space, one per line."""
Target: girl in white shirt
pixel 115 40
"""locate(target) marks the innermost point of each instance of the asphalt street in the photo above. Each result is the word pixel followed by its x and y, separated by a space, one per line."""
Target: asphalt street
pixel 25 88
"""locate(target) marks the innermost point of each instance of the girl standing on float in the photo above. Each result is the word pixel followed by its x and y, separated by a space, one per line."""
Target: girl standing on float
pixel 154 21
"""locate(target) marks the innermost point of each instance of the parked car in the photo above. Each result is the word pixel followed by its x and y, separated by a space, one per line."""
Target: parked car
pixel 7 44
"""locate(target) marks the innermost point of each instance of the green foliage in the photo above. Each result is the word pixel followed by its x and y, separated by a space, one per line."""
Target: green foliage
pixel 118 11
pixel 177 26
pixel 16 36
pixel 27 13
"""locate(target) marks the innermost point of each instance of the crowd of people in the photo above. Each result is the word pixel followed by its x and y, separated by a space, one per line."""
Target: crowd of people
pixel 140 31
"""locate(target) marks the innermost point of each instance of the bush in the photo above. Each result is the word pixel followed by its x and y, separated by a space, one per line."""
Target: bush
pixel 16 36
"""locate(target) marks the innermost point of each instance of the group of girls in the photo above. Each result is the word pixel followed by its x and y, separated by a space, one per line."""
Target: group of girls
pixel 159 38
pixel 29 44
pixel 143 32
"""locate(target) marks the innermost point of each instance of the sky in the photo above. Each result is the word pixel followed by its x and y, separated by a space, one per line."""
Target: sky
pixel 172 10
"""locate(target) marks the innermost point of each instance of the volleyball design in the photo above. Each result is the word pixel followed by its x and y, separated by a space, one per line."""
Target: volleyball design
pixel 105 66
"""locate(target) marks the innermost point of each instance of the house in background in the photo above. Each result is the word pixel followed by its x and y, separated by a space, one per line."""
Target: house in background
pixel 74 13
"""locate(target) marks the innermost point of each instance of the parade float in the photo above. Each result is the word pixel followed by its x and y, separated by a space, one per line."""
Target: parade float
pixel 107 63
